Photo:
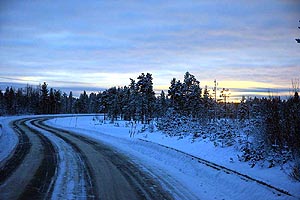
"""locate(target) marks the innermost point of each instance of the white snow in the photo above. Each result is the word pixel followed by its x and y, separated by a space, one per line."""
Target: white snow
pixel 69 182
pixel 8 138
pixel 190 179
pixel 185 177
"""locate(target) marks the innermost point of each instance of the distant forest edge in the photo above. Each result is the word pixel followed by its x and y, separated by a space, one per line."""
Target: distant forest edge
pixel 266 129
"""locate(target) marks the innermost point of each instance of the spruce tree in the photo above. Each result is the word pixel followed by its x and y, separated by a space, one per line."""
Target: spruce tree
pixel 133 100
pixel 243 110
pixel 57 100
pixel 70 102
pixel 9 97
pixel 147 97
pixel 51 101
pixel 44 103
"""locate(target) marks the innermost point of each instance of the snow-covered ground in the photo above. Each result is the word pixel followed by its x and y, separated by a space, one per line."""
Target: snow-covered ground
pixel 201 180
pixel 8 139
pixel 175 171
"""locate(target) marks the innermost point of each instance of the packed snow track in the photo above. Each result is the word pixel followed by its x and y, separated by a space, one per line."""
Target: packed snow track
pixel 50 163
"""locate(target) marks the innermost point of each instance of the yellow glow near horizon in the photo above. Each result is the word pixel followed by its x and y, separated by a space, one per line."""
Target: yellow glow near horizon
pixel 235 96
pixel 246 84
pixel 232 85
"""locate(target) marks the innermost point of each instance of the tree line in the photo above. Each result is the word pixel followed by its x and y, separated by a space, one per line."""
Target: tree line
pixel 273 122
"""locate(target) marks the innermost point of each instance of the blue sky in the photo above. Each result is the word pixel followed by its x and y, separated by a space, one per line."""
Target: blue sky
pixel 98 44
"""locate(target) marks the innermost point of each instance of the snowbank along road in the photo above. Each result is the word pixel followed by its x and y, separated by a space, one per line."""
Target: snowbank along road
pixel 48 163
pixel 73 163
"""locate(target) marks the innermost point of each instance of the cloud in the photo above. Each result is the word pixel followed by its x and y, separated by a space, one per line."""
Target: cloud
pixel 88 41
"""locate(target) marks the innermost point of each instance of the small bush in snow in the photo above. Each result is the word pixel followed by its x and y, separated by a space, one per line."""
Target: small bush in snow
pixel 143 128
pixel 250 154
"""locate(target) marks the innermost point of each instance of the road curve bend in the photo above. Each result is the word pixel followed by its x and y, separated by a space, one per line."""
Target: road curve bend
pixel 50 163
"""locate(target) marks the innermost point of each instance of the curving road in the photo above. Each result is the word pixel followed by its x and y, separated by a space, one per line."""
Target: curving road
pixel 50 163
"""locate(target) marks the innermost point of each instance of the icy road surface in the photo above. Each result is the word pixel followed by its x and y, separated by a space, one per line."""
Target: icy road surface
pixel 57 164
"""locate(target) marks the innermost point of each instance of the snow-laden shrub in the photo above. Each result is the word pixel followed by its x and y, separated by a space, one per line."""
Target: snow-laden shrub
pixel 250 154
pixel 227 132
pixel 174 124
pixel 258 154
pixel 255 148
pixel 247 136
pixel 222 132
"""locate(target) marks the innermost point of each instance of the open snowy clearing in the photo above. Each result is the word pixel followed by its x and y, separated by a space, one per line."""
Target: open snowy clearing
pixel 202 181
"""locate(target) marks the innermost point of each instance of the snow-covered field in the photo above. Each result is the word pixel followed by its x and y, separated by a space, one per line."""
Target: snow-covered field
pixel 204 182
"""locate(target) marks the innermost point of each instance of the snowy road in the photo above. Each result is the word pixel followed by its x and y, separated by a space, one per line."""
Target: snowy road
pixel 29 169
pixel 59 164
pixel 58 160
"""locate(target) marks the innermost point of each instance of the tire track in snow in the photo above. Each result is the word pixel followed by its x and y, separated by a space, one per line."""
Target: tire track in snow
pixel 120 178
pixel 74 174
pixel 9 165
pixel 41 186
pixel 31 177
pixel 73 178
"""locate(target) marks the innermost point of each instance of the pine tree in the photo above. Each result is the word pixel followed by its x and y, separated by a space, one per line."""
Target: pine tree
pixel 44 103
pixel 20 102
pixel 71 102
pixel 186 97
pixel 93 103
pixel 172 92
pixel 147 97
pixel 112 103
pixel 126 104
pixel 64 103
pixel 104 103
pixel 176 95
pixel 51 101
pixel 243 110
pixel 133 100
pixel 9 97
pixel 207 106
pixel 161 105
pixel 57 100
pixel 81 105
pixel 35 100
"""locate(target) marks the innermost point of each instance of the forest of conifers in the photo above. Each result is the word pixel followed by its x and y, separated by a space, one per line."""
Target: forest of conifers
pixel 264 127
